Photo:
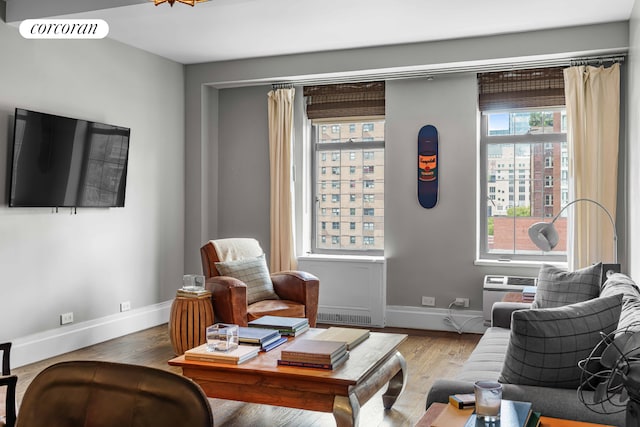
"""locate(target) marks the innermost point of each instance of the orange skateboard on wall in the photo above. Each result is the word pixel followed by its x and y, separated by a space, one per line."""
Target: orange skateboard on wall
pixel 428 166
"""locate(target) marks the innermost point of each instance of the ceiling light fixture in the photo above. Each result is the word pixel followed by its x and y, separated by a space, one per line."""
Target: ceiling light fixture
pixel 171 2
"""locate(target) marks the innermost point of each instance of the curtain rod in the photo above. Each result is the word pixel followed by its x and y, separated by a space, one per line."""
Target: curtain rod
pixel 282 85
pixel 597 60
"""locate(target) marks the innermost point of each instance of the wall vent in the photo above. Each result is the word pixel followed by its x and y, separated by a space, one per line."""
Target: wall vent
pixel 344 319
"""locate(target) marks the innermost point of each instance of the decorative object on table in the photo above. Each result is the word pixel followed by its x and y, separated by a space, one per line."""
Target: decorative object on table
pixel 314 354
pixel 190 315
pixel 614 368
pixel 545 236
pixel 351 336
pixel 488 397
pixel 222 337
pixel 193 281
pixel 288 326
pixel 240 354
pixel 428 166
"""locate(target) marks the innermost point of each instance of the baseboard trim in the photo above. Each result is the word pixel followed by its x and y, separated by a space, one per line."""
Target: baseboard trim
pixel 43 345
pixel 472 321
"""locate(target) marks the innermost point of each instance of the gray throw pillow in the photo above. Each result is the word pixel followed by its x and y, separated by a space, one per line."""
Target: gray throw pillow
pixel 546 344
pixel 254 273
pixel 558 287
pixel 619 283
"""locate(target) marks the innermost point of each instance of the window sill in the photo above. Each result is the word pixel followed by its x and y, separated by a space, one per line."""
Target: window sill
pixel 517 264
pixel 341 258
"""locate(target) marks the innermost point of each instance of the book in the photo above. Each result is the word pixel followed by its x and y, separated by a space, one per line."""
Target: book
pixel 314 351
pixel 512 414
pixel 333 365
pixel 297 332
pixel 257 335
pixel 271 345
pixel 557 422
pixel 351 336
pixel 534 419
pixel 287 324
pixel 528 293
pixel 452 417
pixel 236 356
pixel 192 293
pixel 461 401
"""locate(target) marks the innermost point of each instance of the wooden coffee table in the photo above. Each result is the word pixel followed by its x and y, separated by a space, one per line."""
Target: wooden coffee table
pixel 372 364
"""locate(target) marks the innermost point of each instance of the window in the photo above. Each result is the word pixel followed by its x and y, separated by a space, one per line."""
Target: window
pixel 324 225
pixel 323 170
pixel 522 137
pixel 352 150
pixel 369 226
pixel 323 197
pixel 523 144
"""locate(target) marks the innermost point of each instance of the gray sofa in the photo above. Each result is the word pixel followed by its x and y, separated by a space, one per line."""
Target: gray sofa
pixel 487 360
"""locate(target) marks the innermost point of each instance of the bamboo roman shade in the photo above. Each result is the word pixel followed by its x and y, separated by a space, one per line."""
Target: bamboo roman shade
pixel 345 100
pixel 506 90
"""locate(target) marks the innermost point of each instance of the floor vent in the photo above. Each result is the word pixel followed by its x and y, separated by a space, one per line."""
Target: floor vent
pixel 344 319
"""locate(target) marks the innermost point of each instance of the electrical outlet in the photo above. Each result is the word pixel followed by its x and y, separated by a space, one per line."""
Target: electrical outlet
pixel 431 301
pixel 66 318
pixel 125 306
pixel 462 302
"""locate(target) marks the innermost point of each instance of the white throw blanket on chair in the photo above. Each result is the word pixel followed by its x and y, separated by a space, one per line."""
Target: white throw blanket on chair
pixel 237 248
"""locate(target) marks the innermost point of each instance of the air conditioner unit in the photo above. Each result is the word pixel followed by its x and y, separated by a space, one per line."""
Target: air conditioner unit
pixel 496 287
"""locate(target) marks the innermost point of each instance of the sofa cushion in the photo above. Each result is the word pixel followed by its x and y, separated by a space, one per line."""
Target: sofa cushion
pixel 558 287
pixel 546 344
pixel 281 307
pixel 619 283
pixel 486 360
pixel 254 273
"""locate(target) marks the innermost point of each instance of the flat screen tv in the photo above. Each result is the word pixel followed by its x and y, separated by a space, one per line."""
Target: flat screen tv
pixel 64 162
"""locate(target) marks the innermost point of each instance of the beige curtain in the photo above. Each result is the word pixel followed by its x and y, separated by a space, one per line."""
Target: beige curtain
pixel 593 115
pixel 280 142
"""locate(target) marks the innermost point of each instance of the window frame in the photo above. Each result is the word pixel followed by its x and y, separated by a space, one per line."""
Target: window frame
pixel 359 146
pixel 484 180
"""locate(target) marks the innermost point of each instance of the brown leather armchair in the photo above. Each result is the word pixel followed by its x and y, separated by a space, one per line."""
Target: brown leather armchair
pixel 105 394
pixel 7 388
pixel 297 290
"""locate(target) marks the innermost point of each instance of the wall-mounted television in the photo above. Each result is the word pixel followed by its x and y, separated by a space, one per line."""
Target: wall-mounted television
pixel 65 162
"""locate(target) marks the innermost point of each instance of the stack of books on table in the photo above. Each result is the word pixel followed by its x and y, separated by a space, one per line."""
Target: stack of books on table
pixel 236 356
pixel 351 336
pixel 266 339
pixel 192 292
pixel 512 413
pixel 314 354
pixel 528 293
pixel 287 326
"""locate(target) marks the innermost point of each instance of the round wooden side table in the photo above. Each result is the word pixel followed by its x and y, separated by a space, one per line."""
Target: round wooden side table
pixel 188 321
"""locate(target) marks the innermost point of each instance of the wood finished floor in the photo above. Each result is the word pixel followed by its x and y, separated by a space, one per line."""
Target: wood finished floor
pixel 429 355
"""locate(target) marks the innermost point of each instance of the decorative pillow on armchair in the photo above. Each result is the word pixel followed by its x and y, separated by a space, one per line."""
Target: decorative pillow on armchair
pixel 546 345
pixel 254 273
pixel 558 287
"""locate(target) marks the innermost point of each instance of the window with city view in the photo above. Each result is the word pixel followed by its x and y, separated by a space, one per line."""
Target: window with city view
pixel 525 180
pixel 348 186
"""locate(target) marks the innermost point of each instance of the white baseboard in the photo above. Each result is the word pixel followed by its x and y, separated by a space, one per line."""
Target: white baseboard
pixel 43 345
pixel 471 321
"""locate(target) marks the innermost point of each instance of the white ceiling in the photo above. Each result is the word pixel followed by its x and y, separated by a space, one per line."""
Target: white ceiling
pixel 222 30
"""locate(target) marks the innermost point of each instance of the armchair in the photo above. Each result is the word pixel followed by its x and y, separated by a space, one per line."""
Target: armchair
pixel 297 290
pixel 7 388
pixel 106 394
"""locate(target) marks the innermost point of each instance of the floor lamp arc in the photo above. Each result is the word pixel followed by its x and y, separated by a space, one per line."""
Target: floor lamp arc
pixel 545 236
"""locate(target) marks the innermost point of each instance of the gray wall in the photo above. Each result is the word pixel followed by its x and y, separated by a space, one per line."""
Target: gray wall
pixel 430 252
pixel 90 262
